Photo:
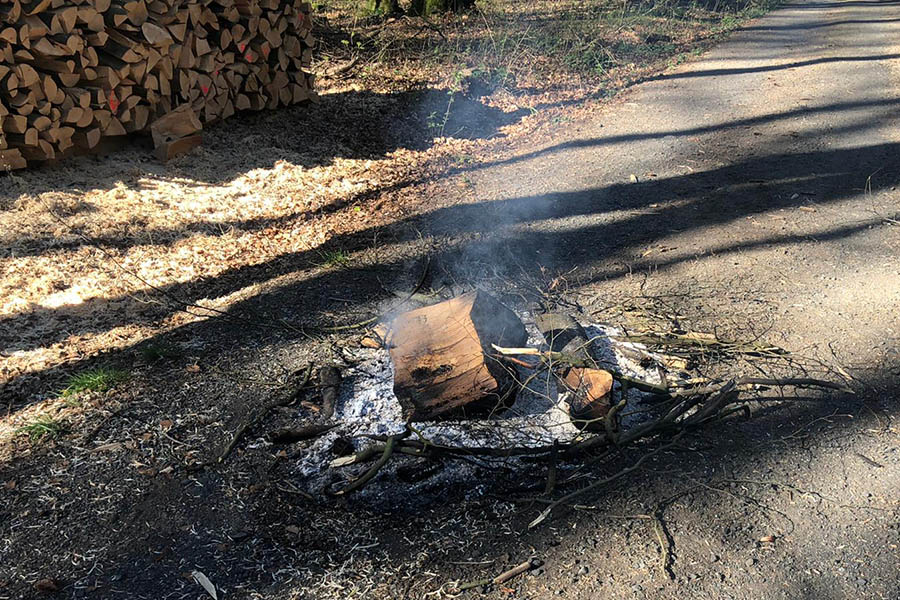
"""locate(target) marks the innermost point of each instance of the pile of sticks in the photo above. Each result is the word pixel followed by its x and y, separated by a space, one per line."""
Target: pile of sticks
pixel 73 72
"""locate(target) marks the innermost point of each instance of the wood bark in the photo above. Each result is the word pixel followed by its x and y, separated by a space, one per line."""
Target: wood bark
pixel 441 356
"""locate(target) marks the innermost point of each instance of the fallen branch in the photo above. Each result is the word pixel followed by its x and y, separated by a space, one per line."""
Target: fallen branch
pixel 531 563
pixel 253 420
pixel 368 475
pixel 343 68
pixel 572 495
pixel 289 435
pixel 561 358
pixel 706 341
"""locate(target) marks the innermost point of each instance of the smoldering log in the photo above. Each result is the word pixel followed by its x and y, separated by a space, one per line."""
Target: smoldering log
pixel 330 383
pixel 441 355
pixel 564 334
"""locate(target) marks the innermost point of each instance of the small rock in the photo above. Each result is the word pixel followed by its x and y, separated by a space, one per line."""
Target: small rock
pixel 46 585
pixel 584 570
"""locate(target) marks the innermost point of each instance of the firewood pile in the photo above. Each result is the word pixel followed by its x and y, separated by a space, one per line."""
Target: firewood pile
pixel 74 73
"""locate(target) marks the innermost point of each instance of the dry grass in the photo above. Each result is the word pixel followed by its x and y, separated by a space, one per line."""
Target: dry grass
pixel 548 47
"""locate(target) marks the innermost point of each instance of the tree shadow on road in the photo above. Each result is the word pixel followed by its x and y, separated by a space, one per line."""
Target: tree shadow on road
pixel 489 233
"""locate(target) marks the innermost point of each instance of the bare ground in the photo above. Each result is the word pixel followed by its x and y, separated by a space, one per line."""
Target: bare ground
pixel 764 205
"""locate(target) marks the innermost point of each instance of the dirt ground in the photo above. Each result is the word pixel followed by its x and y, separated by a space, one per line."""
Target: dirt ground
pixel 751 192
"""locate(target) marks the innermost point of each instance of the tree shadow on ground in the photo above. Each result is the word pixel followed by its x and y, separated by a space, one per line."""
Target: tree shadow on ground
pixel 807 26
pixel 768 68
pixel 489 234
pixel 39 245
pixel 351 124
pixel 239 521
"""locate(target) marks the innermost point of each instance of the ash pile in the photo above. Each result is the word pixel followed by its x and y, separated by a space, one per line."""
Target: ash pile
pixel 466 387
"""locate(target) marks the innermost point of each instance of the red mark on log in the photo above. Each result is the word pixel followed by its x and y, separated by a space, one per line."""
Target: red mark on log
pixel 205 89
pixel 113 101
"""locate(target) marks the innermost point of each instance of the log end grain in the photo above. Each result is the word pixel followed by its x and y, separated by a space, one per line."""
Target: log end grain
pixel 440 355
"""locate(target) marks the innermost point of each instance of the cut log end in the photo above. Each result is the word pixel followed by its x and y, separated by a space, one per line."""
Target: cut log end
pixel 440 356
pixel 590 393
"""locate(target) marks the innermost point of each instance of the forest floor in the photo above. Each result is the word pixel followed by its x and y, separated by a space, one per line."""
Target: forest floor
pixel 147 310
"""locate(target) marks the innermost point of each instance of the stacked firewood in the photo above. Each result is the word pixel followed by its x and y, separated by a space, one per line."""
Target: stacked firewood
pixel 73 72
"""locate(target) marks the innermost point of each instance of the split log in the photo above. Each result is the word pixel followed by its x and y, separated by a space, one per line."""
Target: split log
pixel 441 356
pixel 176 133
pixel 169 150
pixel 591 387
pixel 137 60
pixel 591 392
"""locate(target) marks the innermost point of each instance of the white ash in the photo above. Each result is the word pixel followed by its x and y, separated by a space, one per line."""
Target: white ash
pixel 367 406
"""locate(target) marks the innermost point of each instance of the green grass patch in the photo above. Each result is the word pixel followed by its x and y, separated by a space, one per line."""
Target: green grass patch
pixel 99 379
pixel 43 427
pixel 335 258
pixel 507 43
pixel 159 352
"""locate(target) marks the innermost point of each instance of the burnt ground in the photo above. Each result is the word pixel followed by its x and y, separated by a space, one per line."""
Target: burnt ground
pixel 752 192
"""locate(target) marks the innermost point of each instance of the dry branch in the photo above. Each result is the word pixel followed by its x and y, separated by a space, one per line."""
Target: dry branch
pixel 258 416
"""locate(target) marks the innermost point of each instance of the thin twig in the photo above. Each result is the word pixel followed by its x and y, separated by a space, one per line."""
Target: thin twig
pixel 572 495
pixel 388 311
pixel 368 475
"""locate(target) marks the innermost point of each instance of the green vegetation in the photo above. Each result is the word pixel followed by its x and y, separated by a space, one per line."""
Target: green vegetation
pixel 99 379
pixel 155 352
pixel 42 427
pixel 335 258
pixel 505 43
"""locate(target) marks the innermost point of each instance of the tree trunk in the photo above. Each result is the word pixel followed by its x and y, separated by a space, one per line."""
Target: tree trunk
pixel 423 8
pixel 441 356
pixel 383 7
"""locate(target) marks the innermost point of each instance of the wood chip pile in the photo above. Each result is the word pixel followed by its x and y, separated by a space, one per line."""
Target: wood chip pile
pixel 76 72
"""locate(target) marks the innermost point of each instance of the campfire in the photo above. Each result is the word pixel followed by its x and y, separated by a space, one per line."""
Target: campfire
pixel 468 382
